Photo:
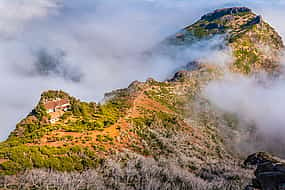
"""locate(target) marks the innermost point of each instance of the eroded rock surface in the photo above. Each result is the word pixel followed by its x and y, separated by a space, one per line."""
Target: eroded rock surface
pixel 269 173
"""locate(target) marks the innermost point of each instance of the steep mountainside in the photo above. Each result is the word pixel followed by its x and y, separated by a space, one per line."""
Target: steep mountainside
pixel 145 118
pixel 167 123
pixel 165 130
pixel 254 43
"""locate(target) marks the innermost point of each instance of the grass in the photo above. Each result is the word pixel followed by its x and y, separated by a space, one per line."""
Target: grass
pixel 163 95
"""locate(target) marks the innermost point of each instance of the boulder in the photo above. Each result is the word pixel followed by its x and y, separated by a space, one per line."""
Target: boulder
pixel 269 173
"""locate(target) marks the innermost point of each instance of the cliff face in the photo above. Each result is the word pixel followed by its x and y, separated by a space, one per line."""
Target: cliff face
pixel 255 45
pixel 168 122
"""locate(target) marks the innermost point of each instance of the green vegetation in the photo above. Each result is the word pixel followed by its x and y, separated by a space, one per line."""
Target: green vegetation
pixel 164 95
pixel 246 55
pixel 58 139
pixel 247 35
pixel 63 158
pixel 248 48
pixel 40 111
pixel 81 118
pixel 200 32
pixel 91 117
pixel 142 126
pixel 104 138
pixel 53 94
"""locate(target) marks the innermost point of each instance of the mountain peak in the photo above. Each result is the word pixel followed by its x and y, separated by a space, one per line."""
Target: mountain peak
pixel 224 21
pixel 255 45
pixel 225 11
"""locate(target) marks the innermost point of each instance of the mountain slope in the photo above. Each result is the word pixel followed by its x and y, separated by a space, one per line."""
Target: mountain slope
pixel 165 123
pixel 139 118
pixel 255 45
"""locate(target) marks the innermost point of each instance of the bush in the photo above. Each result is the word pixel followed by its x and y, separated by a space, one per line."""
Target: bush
pixel 59 158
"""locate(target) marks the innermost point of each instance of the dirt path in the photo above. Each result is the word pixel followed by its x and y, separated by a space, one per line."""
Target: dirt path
pixel 140 100
pixel 3 160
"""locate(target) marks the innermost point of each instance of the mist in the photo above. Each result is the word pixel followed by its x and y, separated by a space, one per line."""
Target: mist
pixel 258 103
pixel 90 47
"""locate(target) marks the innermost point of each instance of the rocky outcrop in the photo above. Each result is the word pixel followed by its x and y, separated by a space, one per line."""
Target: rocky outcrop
pixel 269 173
pixel 226 11
pixel 256 20
pixel 214 26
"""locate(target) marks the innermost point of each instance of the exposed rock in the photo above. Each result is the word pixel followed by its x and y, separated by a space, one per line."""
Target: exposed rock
pixel 228 18
pixel 185 74
pixel 179 76
pixel 270 172
pixel 254 21
pixel 222 12
pixel 193 65
pixel 214 26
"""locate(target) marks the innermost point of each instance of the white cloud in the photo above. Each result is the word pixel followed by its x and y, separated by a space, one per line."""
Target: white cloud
pixel 15 13
pixel 257 101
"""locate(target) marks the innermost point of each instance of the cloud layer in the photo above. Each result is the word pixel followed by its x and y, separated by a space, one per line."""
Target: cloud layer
pixel 258 102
